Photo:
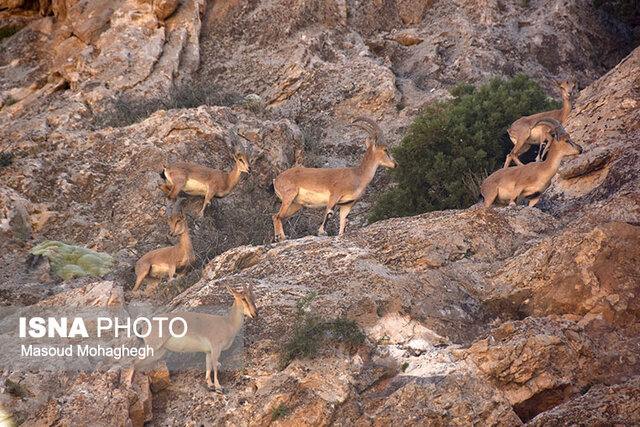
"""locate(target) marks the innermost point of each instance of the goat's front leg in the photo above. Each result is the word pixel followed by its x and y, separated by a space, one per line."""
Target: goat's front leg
pixel 212 362
pixel 210 384
pixel 344 211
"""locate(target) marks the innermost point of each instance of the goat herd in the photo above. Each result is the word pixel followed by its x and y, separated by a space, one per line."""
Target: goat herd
pixel 327 188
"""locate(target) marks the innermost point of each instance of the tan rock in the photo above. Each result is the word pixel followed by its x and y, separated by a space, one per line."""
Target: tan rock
pixel 164 8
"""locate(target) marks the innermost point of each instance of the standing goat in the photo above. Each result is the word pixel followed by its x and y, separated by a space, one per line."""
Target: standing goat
pixel 197 180
pixel 205 333
pixel 165 261
pixel 525 131
pixel 530 180
pixel 317 187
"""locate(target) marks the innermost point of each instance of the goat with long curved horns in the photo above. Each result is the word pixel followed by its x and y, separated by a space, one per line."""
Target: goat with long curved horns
pixel 509 185
pixel 196 180
pixel 330 187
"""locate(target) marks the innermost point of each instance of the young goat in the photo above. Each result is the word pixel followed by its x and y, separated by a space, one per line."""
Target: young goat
pixel 525 131
pixel 205 333
pixel 197 180
pixel 165 261
pixel 530 180
pixel 317 188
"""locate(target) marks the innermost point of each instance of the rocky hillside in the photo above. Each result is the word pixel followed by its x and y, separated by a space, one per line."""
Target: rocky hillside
pixel 481 316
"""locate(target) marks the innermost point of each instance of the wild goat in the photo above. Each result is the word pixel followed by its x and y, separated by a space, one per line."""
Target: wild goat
pixel 524 132
pixel 316 187
pixel 197 180
pixel 205 333
pixel 165 261
pixel 530 180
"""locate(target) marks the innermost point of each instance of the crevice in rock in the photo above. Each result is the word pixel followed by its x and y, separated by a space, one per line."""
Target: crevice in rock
pixel 541 402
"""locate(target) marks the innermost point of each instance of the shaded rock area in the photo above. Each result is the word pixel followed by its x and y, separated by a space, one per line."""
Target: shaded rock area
pixel 480 316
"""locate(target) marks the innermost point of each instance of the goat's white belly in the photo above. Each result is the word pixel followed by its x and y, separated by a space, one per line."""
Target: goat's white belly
pixel 312 199
pixel 159 270
pixel 187 344
pixel 195 188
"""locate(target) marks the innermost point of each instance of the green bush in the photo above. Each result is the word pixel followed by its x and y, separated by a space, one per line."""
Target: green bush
pixel 454 144
pixel 309 330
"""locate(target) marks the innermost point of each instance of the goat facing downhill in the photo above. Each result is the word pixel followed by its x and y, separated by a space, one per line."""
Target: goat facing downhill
pixel 526 131
pixel 327 187
pixel 206 333
pixel 196 180
pixel 166 261
pixel 530 180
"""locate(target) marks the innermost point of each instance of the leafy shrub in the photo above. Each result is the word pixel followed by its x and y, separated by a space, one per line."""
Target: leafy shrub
pixel 309 330
pixel 453 145
pixel 278 412
pixel 125 110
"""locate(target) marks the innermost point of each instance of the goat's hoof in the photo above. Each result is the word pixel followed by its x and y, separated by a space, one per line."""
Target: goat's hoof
pixel 218 390
pixel 322 233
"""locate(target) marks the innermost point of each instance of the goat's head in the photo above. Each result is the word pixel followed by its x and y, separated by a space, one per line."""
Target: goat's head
pixel 241 154
pixel 246 299
pixel 375 141
pixel 560 137
pixel 566 86
pixel 176 218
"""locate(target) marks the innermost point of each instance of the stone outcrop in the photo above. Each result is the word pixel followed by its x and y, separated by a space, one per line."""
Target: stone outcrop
pixel 480 316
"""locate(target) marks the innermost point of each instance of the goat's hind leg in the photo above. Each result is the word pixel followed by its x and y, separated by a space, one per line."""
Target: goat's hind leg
pixel 327 215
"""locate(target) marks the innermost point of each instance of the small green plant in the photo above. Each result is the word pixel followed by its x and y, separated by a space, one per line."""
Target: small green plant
pixel 453 145
pixel 400 106
pixel 10 101
pixel 278 412
pixel 9 30
pixel 404 366
pixel 309 330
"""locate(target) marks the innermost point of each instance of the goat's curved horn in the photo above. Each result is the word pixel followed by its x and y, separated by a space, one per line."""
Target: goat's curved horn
pixel 230 290
pixel 169 210
pixel 176 205
pixel 379 135
pixel 367 129
pixel 555 125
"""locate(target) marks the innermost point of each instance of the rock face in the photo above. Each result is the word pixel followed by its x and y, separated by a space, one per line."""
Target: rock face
pixel 477 316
